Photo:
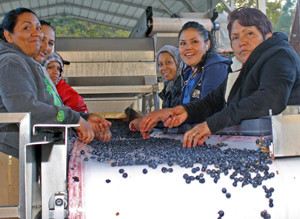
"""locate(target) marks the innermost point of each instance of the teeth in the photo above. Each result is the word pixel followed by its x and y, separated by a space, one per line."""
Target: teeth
pixel 189 54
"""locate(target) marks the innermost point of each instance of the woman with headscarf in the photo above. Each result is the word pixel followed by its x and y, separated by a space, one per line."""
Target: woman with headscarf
pixel 169 65
pixel 54 65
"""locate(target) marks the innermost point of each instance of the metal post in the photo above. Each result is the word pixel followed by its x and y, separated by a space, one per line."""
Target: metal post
pixel 24 209
pixel 262 6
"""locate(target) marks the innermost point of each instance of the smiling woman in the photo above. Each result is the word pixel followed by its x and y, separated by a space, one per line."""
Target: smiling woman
pixel 23 86
pixel 269 79
pixel 26 34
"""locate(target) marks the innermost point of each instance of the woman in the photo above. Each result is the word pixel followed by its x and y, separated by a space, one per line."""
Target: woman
pixel 54 66
pixel 23 87
pixel 206 68
pixel 269 79
pixel 169 65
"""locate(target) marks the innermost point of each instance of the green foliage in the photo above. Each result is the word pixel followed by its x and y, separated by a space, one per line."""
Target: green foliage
pixel 286 19
pixel 280 17
pixel 69 27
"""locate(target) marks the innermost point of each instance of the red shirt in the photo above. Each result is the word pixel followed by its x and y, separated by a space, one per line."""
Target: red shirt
pixel 70 97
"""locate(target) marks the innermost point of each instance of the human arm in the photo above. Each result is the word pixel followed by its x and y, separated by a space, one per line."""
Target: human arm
pixel 214 75
pixel 85 131
pixel 24 89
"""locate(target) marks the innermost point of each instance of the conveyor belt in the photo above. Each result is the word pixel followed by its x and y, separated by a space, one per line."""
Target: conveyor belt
pixel 168 195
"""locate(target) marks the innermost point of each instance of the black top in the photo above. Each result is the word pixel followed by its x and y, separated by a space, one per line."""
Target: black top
pixel 171 99
pixel 270 79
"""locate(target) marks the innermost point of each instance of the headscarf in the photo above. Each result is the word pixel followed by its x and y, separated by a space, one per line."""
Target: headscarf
pixel 174 52
pixel 54 57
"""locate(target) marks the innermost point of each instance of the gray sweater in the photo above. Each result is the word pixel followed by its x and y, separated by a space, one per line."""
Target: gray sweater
pixel 24 88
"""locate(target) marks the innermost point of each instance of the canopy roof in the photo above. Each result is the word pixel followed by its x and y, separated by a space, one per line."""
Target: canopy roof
pixel 122 14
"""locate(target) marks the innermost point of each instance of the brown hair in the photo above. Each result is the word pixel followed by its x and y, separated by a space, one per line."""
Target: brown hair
pixel 250 17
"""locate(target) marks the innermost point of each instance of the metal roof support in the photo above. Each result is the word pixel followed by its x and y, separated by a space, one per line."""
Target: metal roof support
pixel 167 9
pixel 130 4
pixel 190 5
pixel 228 8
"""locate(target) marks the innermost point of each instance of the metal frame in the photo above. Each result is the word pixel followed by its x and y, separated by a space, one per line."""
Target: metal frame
pixel 23 119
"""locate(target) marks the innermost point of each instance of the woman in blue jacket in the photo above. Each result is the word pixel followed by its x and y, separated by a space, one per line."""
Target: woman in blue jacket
pixel 206 69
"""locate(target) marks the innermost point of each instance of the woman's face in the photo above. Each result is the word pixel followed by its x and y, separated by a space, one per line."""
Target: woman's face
pixel 244 40
pixel 47 43
pixel 167 66
pixel 192 47
pixel 27 34
pixel 54 70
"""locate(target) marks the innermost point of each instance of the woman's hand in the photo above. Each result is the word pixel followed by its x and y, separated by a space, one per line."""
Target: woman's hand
pixel 177 116
pixel 100 127
pixel 84 131
pixel 152 118
pixel 197 135
pixel 134 125
pixel 103 136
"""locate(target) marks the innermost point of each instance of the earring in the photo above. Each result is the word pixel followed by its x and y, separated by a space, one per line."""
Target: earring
pixel 206 47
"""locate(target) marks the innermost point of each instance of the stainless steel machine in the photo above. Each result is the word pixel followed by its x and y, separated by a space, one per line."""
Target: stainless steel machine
pixel 112 74
pixel 51 186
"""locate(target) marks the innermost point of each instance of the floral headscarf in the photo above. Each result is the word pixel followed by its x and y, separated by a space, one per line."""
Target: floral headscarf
pixel 54 57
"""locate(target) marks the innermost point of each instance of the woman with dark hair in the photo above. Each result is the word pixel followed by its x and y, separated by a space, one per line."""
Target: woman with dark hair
pixel 269 79
pixel 23 86
pixel 205 69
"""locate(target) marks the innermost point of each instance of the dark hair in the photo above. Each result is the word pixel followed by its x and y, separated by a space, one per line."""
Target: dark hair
pixel 250 17
pixel 43 22
pixel 10 19
pixel 205 34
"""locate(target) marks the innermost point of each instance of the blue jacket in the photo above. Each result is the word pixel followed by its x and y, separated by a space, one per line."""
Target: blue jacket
pixel 213 73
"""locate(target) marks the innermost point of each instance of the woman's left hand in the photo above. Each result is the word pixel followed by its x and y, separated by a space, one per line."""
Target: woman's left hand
pixel 197 135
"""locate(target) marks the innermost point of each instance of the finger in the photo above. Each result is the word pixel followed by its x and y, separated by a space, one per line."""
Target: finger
pixel 190 141
pixel 149 126
pixel 167 122
pixel 197 138
pixel 131 127
pixel 166 117
pixel 101 127
pixel 202 140
pixel 173 122
pixel 185 139
pixel 106 124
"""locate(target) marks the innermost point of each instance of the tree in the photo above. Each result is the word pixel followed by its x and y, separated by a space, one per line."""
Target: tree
pixel 286 19
pixel 274 10
pixel 69 27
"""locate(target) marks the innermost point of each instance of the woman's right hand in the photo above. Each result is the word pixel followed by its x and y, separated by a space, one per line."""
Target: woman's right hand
pixel 152 118
pixel 177 116
pixel 84 131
